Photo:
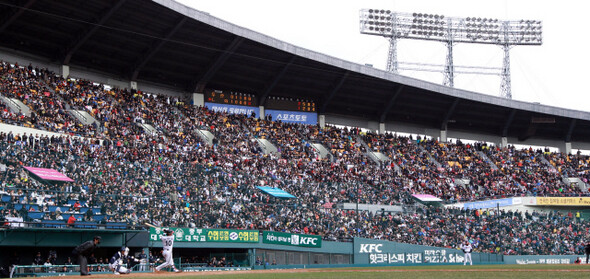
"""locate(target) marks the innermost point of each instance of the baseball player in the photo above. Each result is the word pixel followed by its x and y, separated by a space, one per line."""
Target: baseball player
pixel 117 262
pixel 167 243
pixel 467 248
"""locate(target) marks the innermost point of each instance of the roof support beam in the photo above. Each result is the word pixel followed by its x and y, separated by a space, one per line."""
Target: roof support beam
pixel 390 103
pixel 201 82
pixel 334 91
pixel 155 47
pixel 570 131
pixel 16 13
pixel 443 124
pixel 508 123
pixel 83 36
pixel 262 100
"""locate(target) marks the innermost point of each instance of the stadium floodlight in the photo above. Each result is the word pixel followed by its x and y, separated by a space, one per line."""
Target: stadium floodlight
pixel 450 30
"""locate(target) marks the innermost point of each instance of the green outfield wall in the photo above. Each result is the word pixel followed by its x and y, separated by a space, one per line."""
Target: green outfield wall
pixel 251 248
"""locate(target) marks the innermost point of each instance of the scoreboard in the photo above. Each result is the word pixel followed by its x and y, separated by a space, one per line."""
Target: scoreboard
pixel 290 105
pixel 230 98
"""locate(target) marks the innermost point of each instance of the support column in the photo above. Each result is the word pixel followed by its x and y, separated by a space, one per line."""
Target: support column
pixel 262 113
pixel 567 148
pixel 133 85
pixel 198 99
pixel 381 128
pixel 322 120
pixel 146 265
pixel 65 71
pixel 504 142
pixel 443 135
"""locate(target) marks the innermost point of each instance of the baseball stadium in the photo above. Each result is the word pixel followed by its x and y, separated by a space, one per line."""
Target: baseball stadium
pixel 149 139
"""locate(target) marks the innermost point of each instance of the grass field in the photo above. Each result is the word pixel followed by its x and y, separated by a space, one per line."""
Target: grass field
pixel 451 272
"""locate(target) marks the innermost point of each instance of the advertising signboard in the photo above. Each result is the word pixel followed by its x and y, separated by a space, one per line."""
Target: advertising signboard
pixel 300 240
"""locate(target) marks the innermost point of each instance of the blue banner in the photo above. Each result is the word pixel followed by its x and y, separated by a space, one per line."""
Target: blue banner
pixel 233 109
pixel 310 118
pixel 275 192
pixel 488 204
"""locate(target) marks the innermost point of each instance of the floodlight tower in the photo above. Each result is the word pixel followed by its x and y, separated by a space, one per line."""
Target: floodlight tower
pixel 449 30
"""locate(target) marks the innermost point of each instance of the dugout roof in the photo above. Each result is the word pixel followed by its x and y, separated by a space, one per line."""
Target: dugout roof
pixel 165 42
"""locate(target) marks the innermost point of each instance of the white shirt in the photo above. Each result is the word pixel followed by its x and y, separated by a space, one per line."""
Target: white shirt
pixel 467 248
pixel 167 242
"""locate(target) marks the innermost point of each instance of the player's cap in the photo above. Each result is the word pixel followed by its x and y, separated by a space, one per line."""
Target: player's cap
pixel 167 231
pixel 98 237
pixel 123 248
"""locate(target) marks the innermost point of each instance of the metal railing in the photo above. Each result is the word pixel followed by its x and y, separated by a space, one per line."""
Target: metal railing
pixel 54 270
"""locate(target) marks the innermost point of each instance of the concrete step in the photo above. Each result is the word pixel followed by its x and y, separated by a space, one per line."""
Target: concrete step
pixel 83 116
pixel 16 105
pixel 576 181
pixel 267 146
pixel 487 159
pixel 147 128
pixel 206 136
pixel 321 149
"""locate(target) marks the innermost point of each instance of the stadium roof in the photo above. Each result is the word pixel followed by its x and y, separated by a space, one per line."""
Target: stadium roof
pixel 167 43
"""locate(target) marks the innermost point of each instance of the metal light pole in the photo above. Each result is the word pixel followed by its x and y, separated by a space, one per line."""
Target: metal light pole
pixel 450 30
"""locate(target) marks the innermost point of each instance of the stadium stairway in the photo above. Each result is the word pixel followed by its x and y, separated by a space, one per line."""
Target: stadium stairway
pixel 377 157
pixel 575 181
pixel 430 156
pixel 322 150
pixel 84 117
pixel 487 159
pixel 16 105
pixel 206 136
pixel 267 146
pixel 147 128
pixel 546 162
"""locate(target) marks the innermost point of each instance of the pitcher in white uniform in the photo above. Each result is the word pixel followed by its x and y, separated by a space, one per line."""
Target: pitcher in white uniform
pixel 467 248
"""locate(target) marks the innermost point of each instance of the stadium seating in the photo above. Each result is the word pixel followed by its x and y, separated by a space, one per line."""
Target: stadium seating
pixel 172 177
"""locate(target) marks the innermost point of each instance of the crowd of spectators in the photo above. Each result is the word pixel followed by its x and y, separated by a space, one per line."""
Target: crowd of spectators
pixel 29 85
pixel 174 177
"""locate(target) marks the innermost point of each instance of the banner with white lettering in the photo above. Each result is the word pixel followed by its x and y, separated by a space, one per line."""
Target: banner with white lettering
pixel 488 204
pixel 372 251
pixel 291 239
pixel 233 109
pixel 310 118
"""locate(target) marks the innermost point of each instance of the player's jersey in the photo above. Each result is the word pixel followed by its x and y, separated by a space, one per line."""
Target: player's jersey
pixel 167 242
pixel 115 258
pixel 466 248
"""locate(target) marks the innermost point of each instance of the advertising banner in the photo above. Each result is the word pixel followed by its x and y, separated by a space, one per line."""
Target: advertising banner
pixel 310 118
pixel 300 240
pixel 233 109
pixel 563 201
pixel 488 204
pixel 223 235
pixel 541 259
pixel 208 235
pixel 49 174
pixel 372 251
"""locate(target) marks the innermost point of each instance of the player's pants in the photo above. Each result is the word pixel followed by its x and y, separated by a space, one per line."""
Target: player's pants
pixel 143 265
pixel 467 259
pixel 83 262
pixel 168 257
pixel 119 268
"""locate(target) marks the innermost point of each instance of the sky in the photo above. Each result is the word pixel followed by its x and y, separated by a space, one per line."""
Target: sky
pixel 551 74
